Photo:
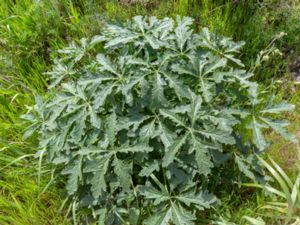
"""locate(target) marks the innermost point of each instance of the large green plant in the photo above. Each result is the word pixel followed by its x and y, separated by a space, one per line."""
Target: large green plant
pixel 144 128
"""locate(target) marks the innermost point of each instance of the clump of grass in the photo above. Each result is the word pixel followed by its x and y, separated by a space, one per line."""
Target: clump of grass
pixel 284 204
pixel 20 199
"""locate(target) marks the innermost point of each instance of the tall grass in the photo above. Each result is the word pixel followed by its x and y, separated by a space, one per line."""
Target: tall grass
pixel 20 199
pixel 285 206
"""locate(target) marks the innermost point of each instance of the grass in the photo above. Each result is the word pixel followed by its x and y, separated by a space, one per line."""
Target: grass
pixel 21 202
pixel 31 32
pixel 287 154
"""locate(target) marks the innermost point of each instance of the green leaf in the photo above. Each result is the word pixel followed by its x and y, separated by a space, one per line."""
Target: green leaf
pixel 203 160
pixel 195 107
pixel 183 31
pixel 75 174
pixel 31 129
pixel 111 124
pixel 158 96
pixel 133 149
pixel 95 120
pixel 202 200
pixel 205 89
pixel 217 135
pixel 123 170
pixel 60 72
pixel 166 136
pixel 149 131
pixel 134 215
pixel 180 89
pixel 253 221
pixel 95 79
pixel 244 167
pixel 149 169
pixel 140 23
pixel 278 126
pixel 173 150
pixel 98 167
pixel 172 116
pixel 160 218
pixel 225 49
pixel 250 167
pixel 258 137
pixel 102 216
pixel 100 99
pixel 106 64
pixel 181 216
pixel 216 63
pixel 97 39
pixel 149 192
pixel 123 36
pixel 282 107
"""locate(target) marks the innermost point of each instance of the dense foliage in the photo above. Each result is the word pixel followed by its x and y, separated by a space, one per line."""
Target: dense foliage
pixel 145 129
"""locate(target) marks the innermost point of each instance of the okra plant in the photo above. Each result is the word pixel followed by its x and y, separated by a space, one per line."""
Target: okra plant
pixel 148 118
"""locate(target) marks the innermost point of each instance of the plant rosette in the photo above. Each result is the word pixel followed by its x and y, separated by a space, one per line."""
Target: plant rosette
pixel 145 118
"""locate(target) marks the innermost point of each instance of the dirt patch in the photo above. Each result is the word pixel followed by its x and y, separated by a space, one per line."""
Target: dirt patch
pixel 286 153
pixel 289 157
pixel 290 153
pixel 294 69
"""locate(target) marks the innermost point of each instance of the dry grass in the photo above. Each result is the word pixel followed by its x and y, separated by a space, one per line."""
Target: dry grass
pixel 286 153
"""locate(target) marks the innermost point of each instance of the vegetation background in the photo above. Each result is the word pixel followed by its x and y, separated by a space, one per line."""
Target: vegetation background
pixel 31 31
